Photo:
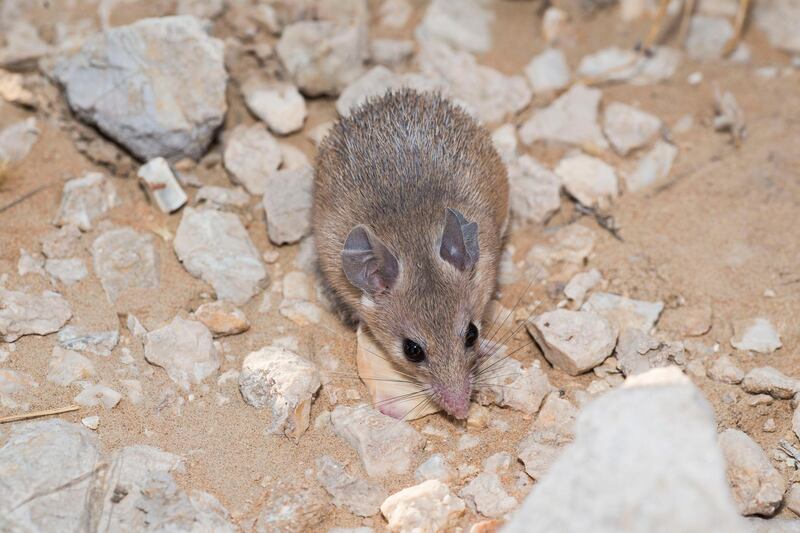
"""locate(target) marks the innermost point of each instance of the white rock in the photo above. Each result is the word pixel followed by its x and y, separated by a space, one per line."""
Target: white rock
pixel 124 259
pixel 728 115
pixel 427 507
pixel 287 203
pixel 215 246
pixel 395 13
pixel 12 382
pixel 156 86
pixel 757 335
pixel 504 139
pixel 222 197
pixel 80 339
pixel 548 71
pixel 17 140
pixel 581 283
pixel 707 36
pixel 554 22
pixel 133 389
pixel 91 422
pixel 655 165
pixel 628 128
pixel 779 20
pixel 374 83
pixel 161 186
pixel 508 384
pixel 293 509
pixel 318 133
pixel 695 78
pixel 30 314
pixel 552 429
pixel 86 199
pixel 322 57
pixel 571 244
pixel 222 318
pixel 384 444
pixel 358 496
pixel 571 119
pixel 617 64
pixel 574 341
pixel 636 446
pixel 202 9
pixel 724 370
pixel 638 352
pixel 94 395
pixel 768 380
pixel 185 349
pixel 485 92
pixel 463 25
pixel 67 271
pixel 279 104
pixel 390 52
pixel 67 366
pixel 61 243
pixel 293 158
pixel 48 473
pixel 588 179
pixel 757 486
pixel 251 155
pixel 30 263
pixel 624 312
pixel 435 467
pixel 277 378
pixel 486 494
pixel 534 190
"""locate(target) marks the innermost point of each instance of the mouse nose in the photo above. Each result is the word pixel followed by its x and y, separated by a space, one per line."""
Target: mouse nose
pixel 455 402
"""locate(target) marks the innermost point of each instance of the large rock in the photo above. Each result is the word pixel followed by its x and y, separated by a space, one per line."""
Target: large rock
pixel 758 487
pixel 124 259
pixel 86 199
pixel 645 459
pixel 215 247
pixel 572 119
pixel 31 314
pixel 156 86
pixel 287 203
pixel 185 349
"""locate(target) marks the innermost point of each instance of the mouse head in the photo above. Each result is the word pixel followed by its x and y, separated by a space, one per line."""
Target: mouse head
pixel 425 307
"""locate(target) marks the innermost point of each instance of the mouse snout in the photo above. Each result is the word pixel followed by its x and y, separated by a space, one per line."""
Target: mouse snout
pixel 455 400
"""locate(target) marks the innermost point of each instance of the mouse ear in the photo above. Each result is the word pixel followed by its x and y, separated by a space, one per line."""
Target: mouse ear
pixel 459 240
pixel 367 262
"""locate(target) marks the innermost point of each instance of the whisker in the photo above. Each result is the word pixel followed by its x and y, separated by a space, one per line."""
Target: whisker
pixel 494 364
pixel 522 295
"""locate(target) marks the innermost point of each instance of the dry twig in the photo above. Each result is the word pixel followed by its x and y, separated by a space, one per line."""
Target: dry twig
pixel 39 414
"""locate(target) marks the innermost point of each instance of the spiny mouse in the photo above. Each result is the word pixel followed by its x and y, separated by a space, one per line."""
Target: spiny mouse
pixel 410 205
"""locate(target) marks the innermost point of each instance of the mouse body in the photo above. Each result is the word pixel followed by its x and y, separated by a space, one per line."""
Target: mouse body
pixel 410 207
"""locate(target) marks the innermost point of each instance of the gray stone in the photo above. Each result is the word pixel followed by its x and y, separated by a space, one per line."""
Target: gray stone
pixel 628 128
pixel 279 104
pixel 67 366
pixel 707 36
pixel 222 318
pixel 30 263
pixel 80 339
pixel 570 244
pixel 534 190
pixel 390 52
pixel 617 64
pixel 589 180
pixel 507 384
pixel 30 314
pixel 757 335
pixel 293 509
pixel 125 259
pixel 251 155
pixel 485 494
pixel 358 496
pixel 724 370
pixel 435 467
pixel 222 197
pixel 395 13
pixel 581 283
pixel 94 395
pixel 768 380
pixel 17 140
pixel 161 185
pixel 571 119
pixel 552 429
pixel 86 199
pixel 574 341
pixel 214 246
pixel 429 506
pixel 463 25
pixel 548 71
pixel 287 203
pixel 638 352
pixel 61 243
pixel 624 312
pixel 185 349
pixel 779 20
pixel 156 86
pixel 757 486
pixel 67 271
pixel 655 165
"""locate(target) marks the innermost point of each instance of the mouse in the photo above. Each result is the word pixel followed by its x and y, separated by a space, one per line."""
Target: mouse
pixel 409 213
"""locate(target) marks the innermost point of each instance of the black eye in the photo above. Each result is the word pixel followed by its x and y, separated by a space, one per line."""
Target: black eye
pixel 471 336
pixel 413 351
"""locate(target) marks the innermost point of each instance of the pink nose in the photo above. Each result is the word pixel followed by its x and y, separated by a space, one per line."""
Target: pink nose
pixel 456 403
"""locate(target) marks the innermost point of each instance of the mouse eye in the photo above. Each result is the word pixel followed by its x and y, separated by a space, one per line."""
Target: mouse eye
pixel 413 351
pixel 471 336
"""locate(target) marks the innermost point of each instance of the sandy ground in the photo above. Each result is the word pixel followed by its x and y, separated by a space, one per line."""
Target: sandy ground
pixel 721 231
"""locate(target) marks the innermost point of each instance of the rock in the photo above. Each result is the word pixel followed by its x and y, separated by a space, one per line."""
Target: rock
pixel 724 370
pixel 287 202
pixel 322 57
pixel 12 89
pixel 617 64
pixel 655 165
pixel 429 506
pixel 184 349
pixel 12 382
pixel 638 352
pixel 624 312
pixel 124 259
pixel 435 467
pixel 728 115
pixel 552 429
pixel 629 128
pixel 30 263
pixel 574 341
pixel 757 335
pixel 91 422
pixel 548 71
pixel 215 246
pixel 251 155
pixel 508 384
pixel 707 36
pixel 48 474
pixel 293 510
pixel 30 314
pixel 358 496
pixel 504 139
pixel 463 25
pixel 67 366
pixel 767 380
pixel 485 92
pixel 61 243
pixel 486 494
pixel 757 486
pixel 390 52
pixel 67 271
pixel 202 9
pixel 94 395
pixel 293 158
pixel 395 13
pixel 161 186
pixel 653 440
pixel 301 313
pixel 17 140
pixel 318 133
pixel 280 105
pixel 571 119
pixel 156 86
pixel 581 283
pixel 222 318
pixel 554 23
pixel 374 83
pixel 221 198
pixel 792 500
pixel 571 244
pixel 778 19
pixel 589 180
pixel 80 339
pixel 385 445
pixel 277 378
pixel 534 191
pixel 86 199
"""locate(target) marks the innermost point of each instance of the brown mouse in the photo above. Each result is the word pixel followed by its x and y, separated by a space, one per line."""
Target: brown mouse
pixel 409 211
